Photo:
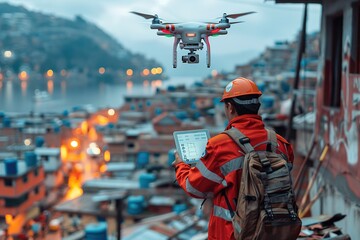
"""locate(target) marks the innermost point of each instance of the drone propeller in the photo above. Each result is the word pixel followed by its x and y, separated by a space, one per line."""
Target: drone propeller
pixel 236 22
pixel 236 15
pixel 144 15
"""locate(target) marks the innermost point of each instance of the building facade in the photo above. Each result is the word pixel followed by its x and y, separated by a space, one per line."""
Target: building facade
pixel 336 135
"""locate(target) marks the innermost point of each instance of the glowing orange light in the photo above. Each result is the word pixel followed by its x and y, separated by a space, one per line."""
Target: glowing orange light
pixel 129 84
pixel 191 34
pixel 23 86
pixel 159 70
pixel 8 219
pixel 101 120
pixel 74 143
pixel 111 112
pixel 129 72
pixel 23 75
pixel 102 70
pixel 107 155
pixel 63 152
pixel 50 86
pixel 50 73
pixel 156 83
pixel 146 72
pixel 74 192
pixel 92 132
pixel 153 71
pixel 103 168
pixel 84 127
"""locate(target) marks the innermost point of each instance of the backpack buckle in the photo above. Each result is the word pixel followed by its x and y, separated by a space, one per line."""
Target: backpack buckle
pixel 266 165
pixel 244 140
pixel 269 213
pixel 292 213
pixel 267 207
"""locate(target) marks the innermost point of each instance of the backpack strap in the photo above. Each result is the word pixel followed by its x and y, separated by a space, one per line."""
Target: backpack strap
pixel 244 143
pixel 241 140
pixel 232 213
pixel 272 140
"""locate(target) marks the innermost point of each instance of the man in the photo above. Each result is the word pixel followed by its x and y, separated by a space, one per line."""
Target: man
pixel 219 170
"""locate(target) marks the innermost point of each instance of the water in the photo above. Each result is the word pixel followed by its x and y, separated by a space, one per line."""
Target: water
pixel 19 96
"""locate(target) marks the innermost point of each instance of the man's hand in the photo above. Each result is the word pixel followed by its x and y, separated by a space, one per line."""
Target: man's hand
pixel 177 159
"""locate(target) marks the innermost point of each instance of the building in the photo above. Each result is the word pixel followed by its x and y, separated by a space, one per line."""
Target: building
pixel 335 122
pixel 54 175
pixel 21 188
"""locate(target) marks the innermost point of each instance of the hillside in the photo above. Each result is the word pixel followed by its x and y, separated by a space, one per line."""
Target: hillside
pixel 40 42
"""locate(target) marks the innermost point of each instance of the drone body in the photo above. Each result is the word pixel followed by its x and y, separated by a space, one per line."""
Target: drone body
pixel 191 35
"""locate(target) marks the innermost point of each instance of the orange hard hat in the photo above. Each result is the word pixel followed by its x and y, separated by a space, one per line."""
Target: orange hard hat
pixel 240 87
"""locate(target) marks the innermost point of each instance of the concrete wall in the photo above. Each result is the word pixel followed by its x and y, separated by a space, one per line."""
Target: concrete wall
pixel 332 202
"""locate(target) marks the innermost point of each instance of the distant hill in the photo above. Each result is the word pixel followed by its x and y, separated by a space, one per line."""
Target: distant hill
pixel 40 42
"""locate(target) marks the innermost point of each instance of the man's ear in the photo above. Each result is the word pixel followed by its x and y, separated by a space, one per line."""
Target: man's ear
pixel 231 108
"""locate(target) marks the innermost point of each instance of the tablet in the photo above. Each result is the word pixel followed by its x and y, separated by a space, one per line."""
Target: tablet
pixel 191 144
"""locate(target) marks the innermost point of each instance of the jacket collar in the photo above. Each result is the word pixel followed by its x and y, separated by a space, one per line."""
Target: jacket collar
pixel 246 121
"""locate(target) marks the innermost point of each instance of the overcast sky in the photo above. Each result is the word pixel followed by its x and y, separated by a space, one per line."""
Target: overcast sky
pixel 270 23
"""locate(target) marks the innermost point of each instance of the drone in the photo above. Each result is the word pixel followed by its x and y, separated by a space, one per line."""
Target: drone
pixel 190 35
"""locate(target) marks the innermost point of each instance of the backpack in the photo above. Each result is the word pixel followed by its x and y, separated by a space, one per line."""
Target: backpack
pixel 265 207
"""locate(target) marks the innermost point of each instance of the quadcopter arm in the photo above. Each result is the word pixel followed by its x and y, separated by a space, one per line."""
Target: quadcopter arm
pixel 157 26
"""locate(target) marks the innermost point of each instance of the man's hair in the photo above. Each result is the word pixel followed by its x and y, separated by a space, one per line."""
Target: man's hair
pixel 248 104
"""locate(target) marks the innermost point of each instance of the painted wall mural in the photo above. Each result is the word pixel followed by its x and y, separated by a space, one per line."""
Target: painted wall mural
pixel 339 127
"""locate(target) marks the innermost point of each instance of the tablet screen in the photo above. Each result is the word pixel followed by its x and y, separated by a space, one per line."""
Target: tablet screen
pixel 191 144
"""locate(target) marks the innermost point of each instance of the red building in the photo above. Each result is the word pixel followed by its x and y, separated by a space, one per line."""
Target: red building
pixel 21 187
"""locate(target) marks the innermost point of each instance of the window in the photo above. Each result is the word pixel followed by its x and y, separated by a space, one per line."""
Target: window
pixel 333 60
pixel 157 156
pixel 8 182
pixel 45 158
pixel 36 171
pixel 355 43
pixel 15 202
pixel 25 178
pixel 36 190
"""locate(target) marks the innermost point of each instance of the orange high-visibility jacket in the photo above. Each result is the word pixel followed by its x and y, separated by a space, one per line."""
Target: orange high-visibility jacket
pixel 220 169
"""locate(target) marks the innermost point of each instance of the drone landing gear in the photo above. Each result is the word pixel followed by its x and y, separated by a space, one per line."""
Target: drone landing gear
pixel 206 39
pixel 176 42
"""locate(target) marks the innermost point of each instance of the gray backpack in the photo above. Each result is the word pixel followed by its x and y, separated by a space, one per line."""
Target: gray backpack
pixel 265 207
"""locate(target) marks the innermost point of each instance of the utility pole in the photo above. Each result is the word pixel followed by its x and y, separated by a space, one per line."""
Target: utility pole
pixel 302 49
pixel 118 196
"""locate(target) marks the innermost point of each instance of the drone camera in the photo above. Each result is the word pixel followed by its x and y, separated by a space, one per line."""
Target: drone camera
pixel 191 58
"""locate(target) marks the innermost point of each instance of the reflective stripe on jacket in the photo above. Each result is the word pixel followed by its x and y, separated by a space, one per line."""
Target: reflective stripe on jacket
pixel 220 169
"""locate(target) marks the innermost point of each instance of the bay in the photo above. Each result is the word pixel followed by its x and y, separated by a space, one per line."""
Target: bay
pixel 57 96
